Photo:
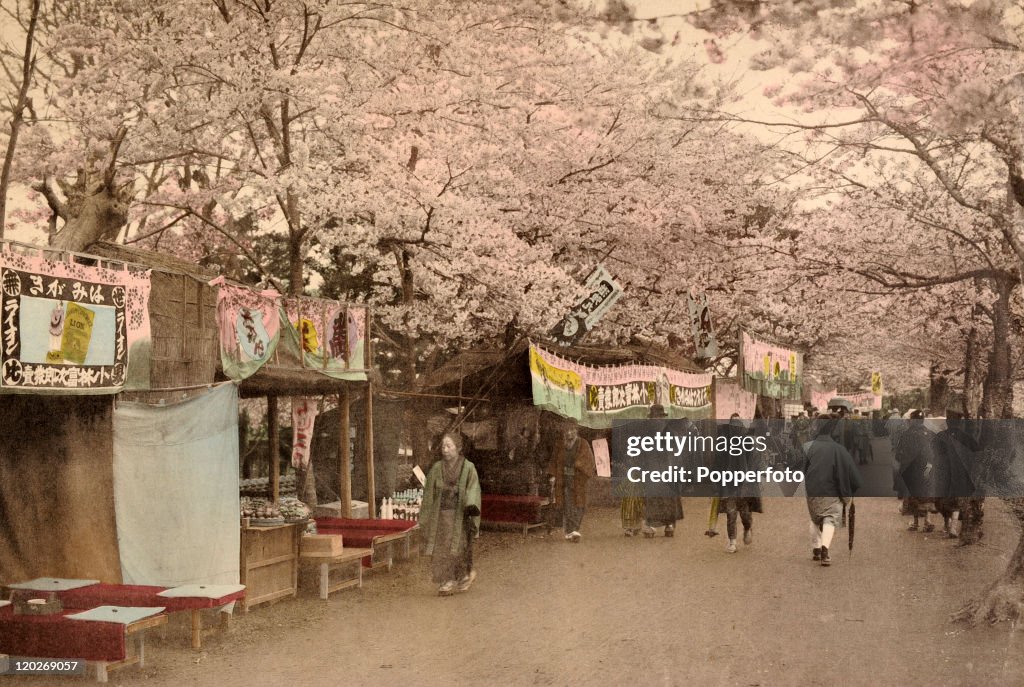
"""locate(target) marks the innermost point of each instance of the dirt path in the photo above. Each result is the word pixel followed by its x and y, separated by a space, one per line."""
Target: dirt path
pixel 616 611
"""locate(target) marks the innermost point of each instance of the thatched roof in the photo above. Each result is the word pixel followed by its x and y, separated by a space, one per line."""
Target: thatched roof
pixel 462 365
pixel 160 261
pixel 281 381
pixel 499 373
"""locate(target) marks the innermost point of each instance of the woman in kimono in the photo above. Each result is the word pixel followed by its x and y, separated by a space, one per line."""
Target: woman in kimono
pixel 450 517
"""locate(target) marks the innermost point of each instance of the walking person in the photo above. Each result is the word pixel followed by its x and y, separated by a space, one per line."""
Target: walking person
pixel 571 467
pixel 663 510
pixel 955 449
pixel 831 479
pixel 738 501
pixel 450 517
pixel 915 456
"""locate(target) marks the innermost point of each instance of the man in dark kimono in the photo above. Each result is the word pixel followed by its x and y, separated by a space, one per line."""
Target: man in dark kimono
pixel 571 467
pixel 954 452
pixel 915 455
pixel 831 479
pixel 738 500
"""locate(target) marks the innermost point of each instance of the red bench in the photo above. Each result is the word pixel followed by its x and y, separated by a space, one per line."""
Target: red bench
pixel 379 535
pixel 103 594
pixel 523 510
pixel 55 636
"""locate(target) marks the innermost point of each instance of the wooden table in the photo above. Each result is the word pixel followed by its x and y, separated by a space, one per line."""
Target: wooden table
pixel 327 563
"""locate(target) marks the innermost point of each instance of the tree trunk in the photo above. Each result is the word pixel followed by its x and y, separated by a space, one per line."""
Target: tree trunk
pixel 997 395
pixel 296 269
pixel 938 390
pixel 28 61
pixel 98 214
pixel 1004 600
pixel 970 373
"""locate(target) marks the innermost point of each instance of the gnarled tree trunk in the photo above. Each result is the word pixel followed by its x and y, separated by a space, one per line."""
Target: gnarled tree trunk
pixel 1004 599
pixel 97 214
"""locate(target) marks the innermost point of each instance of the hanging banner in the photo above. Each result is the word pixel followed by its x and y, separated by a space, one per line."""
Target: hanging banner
pixel 731 398
pixel 602 457
pixel 557 384
pixel 626 392
pixel 72 329
pixel 704 341
pixel 260 328
pixel 820 399
pixel 596 396
pixel 325 336
pixel 603 292
pixel 304 411
pixel 770 370
pixel 862 400
pixel 876 383
pixel 249 326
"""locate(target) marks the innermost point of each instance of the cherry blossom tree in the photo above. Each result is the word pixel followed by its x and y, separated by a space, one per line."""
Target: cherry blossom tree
pixel 909 119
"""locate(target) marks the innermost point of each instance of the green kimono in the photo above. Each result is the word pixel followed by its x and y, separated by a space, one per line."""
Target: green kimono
pixel 454 540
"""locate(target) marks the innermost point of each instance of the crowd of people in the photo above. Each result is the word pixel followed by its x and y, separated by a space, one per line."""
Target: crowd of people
pixel 931 474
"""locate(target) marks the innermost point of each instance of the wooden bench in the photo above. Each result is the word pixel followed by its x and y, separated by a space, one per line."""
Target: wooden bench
pixel 326 563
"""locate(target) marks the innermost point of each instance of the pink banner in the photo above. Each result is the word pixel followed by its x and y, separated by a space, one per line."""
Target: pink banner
pixel 731 398
pixel 769 369
pixel 72 328
pixel 820 399
pixel 304 412
pixel 249 325
pixel 863 400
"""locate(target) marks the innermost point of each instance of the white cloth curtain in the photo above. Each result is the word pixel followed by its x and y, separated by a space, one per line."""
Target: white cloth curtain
pixel 176 490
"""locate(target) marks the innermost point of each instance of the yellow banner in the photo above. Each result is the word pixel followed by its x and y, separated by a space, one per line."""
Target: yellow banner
pixel 564 379
pixel 77 333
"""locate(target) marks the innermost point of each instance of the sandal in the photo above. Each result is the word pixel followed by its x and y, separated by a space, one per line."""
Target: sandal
pixel 912 528
pixel 929 527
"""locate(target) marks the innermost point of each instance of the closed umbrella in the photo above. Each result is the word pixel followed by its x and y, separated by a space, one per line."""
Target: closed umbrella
pixel 852 523
pixel 712 530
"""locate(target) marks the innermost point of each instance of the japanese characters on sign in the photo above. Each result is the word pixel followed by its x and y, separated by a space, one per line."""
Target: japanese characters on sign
pixel 68 327
pixel 770 370
pixel 704 341
pixel 604 291
pixel 595 396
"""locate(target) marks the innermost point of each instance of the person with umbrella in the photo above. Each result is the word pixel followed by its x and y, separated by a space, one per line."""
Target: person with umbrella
pixel 831 479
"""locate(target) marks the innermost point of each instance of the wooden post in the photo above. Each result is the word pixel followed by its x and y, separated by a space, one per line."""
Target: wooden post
pixel 371 478
pixel 371 482
pixel 275 449
pixel 344 455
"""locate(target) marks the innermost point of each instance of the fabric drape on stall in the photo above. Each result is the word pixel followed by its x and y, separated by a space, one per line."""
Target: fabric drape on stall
pixel 176 490
pixel 56 489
